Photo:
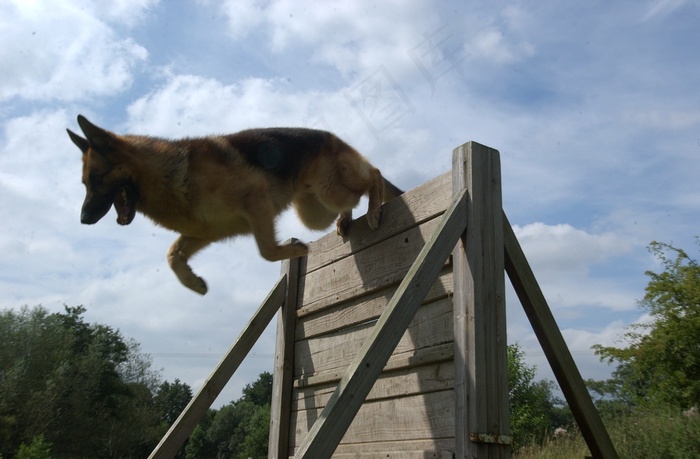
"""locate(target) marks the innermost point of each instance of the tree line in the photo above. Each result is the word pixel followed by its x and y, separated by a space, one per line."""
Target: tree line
pixel 69 388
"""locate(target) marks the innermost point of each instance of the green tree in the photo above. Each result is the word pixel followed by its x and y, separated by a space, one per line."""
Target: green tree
pixel 37 449
pixel 662 361
pixel 239 429
pixel 259 392
pixel 533 408
pixel 79 387
pixel 171 399
pixel 255 442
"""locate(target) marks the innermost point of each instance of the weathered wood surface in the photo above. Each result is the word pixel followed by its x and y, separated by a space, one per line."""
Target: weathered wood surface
pixel 410 209
pixel 283 376
pixel 410 359
pixel 312 322
pixel 401 382
pixel 336 417
pixel 437 448
pixel 183 426
pixel 413 417
pixel 431 326
pixel 367 270
pixel 424 454
pixel 481 379
pixel 554 347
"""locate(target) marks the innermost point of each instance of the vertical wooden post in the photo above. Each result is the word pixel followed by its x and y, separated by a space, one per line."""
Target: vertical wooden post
pixel 482 427
pixel 283 380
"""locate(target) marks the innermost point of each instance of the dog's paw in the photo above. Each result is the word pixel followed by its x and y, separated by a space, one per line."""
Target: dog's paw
pixel 374 218
pixel 198 285
pixel 342 225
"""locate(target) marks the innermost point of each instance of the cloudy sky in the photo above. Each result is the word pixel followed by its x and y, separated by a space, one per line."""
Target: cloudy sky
pixel 595 109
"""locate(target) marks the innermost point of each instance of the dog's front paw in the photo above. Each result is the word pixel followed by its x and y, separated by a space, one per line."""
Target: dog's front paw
pixel 198 285
pixel 374 218
pixel 342 225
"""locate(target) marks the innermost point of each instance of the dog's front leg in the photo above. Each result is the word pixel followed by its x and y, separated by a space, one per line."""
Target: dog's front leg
pixel 178 254
pixel 261 216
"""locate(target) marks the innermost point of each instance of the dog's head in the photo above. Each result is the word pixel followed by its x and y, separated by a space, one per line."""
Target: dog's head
pixel 106 175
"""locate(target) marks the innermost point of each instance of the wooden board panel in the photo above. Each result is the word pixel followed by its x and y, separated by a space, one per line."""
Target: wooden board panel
pixel 410 209
pixel 432 325
pixel 314 321
pixel 405 454
pixel 415 417
pixel 410 359
pixel 439 448
pixel 398 383
pixel 367 270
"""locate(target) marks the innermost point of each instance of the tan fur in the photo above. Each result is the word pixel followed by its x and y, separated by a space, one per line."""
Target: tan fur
pixel 212 188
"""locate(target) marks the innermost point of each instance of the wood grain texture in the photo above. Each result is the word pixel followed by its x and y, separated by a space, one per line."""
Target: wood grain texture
pixel 481 379
pixel 312 322
pixel 412 208
pixel 283 375
pixel 336 417
pixel 367 270
pixel 412 417
pixel 431 326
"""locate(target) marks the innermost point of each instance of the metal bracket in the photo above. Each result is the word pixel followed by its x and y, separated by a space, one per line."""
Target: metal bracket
pixel 490 438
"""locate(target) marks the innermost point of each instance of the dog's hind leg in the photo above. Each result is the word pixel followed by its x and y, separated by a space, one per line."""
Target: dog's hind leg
pixel 375 192
pixel 178 254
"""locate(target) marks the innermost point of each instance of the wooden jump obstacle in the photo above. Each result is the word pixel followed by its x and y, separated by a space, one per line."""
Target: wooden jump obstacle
pixel 392 343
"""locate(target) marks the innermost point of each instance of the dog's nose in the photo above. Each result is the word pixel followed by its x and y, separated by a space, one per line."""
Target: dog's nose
pixel 87 219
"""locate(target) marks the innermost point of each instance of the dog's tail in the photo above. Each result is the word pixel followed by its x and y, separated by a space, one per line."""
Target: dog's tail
pixel 390 190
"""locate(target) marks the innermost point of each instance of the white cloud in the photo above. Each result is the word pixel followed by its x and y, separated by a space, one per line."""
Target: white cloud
pixel 33 145
pixel 62 52
pixel 383 35
pixel 493 45
pixel 244 17
pixel 563 259
pixel 188 105
pixel 563 247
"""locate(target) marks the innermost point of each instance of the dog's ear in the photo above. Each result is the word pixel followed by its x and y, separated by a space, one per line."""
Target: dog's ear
pixel 83 144
pixel 97 137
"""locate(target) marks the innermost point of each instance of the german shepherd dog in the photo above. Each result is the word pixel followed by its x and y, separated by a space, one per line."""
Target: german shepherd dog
pixel 217 187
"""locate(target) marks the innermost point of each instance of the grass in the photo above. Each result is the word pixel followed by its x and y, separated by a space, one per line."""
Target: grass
pixel 646 434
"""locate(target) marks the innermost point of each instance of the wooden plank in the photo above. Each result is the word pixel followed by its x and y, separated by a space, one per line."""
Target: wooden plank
pixel 415 417
pixel 283 376
pixel 412 208
pixel 404 360
pixel 361 309
pixel 367 270
pixel 437 447
pixel 481 379
pixel 431 326
pixel 402 382
pixel 183 426
pixel 337 416
pixel 555 348
pixel 424 454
